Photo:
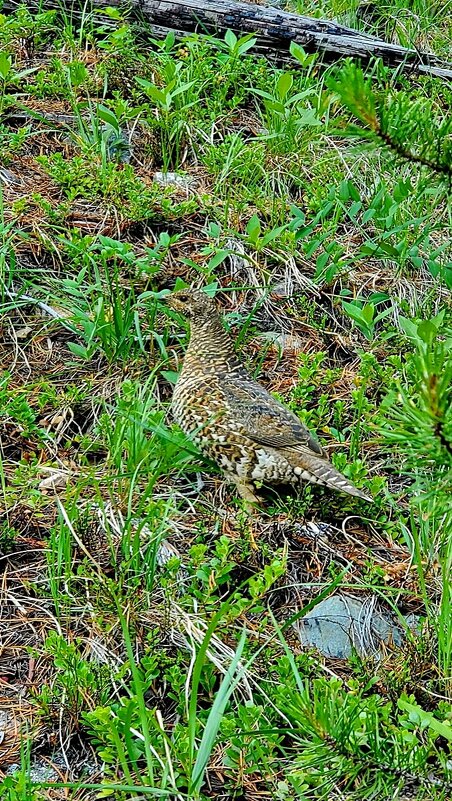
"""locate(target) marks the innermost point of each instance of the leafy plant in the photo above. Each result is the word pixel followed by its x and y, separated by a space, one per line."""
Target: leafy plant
pixel 364 315
pixel 15 409
pixel 418 410
pixel 256 238
pixel 397 121
pixel 101 134
pixel 172 100
pixel 9 76
pixel 287 113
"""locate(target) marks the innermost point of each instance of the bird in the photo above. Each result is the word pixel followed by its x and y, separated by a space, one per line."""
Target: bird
pixel 234 420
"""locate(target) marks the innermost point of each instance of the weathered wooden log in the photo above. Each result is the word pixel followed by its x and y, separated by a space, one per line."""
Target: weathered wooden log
pixel 275 30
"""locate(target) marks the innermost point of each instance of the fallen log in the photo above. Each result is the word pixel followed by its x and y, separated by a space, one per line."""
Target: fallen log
pixel 274 29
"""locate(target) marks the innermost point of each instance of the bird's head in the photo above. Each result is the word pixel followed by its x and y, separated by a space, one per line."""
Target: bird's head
pixel 192 303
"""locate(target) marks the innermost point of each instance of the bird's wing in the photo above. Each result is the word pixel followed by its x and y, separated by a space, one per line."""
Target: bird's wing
pixel 266 420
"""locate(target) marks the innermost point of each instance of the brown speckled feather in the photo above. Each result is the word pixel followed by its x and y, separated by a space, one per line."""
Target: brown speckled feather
pixel 265 419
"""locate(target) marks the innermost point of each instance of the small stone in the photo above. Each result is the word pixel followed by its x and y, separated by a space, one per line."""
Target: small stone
pixel 23 333
pixel 174 179
pixel 283 341
pixel 342 623
pixel 8 177
pixel 57 480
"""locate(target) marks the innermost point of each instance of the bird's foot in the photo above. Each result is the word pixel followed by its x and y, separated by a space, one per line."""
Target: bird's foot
pixel 252 508
pixel 253 542
pixel 252 503
pixel 250 498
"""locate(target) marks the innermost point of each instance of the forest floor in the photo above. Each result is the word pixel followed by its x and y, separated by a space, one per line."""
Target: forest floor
pixel 147 648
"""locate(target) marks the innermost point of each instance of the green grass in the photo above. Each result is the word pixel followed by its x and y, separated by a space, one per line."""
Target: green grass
pixel 148 650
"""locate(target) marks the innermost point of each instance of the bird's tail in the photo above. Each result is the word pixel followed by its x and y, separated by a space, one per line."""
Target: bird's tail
pixel 319 471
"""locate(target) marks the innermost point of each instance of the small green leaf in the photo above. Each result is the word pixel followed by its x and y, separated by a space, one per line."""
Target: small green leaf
pixel 218 258
pixel 109 11
pixel 170 375
pixel 425 719
pixel 211 289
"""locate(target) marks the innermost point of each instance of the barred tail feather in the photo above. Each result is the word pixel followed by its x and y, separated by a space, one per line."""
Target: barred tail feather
pixel 321 472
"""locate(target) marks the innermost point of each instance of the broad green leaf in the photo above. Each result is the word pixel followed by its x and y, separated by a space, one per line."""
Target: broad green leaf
pixel 108 116
pixel 263 94
pixel 218 258
pixel 170 375
pixel 273 234
pixel 368 215
pixel 5 64
pixel 297 52
pixel 367 313
pixel 182 88
pixel 211 289
pixel 321 262
pixel 284 84
pixel 143 82
pixel 152 91
pixel 275 105
pixel 301 96
pixel 113 13
pixel 344 191
pixel 308 118
pixel 427 331
pixel 378 297
pixel 79 350
pixel 353 311
pixel 231 39
pixel 245 44
pixel 354 209
pixel 253 228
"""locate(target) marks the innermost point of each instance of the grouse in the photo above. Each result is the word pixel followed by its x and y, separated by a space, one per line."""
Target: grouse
pixel 233 420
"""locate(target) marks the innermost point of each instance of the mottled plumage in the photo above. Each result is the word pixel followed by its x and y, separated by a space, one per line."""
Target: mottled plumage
pixel 234 420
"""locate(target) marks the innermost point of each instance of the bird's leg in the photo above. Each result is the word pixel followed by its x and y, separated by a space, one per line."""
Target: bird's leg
pixel 251 502
pixel 247 494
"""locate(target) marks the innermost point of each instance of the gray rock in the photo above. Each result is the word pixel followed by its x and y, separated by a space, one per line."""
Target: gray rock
pixel 283 341
pixel 174 179
pixel 8 177
pixel 43 770
pixel 342 624
pixel 414 623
